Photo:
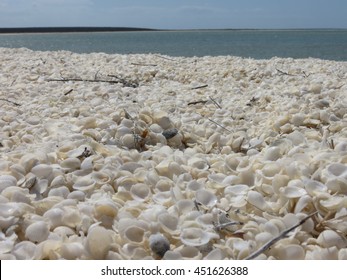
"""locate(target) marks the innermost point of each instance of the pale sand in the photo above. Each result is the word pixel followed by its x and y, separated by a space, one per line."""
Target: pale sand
pixel 86 171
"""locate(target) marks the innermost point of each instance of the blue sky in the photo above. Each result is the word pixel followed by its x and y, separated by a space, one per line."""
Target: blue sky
pixel 175 14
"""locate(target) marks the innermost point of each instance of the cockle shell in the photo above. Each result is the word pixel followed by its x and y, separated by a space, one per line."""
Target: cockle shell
pixel 25 250
pixel 168 223
pixel 257 200
pixel 330 238
pixel 196 236
pixel 37 231
pixel 7 181
pixel 72 251
pixel 98 242
pixel 206 197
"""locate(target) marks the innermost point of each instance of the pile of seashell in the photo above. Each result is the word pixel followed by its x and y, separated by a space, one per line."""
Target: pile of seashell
pixel 207 158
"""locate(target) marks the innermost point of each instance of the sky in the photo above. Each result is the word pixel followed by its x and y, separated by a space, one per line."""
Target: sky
pixel 175 14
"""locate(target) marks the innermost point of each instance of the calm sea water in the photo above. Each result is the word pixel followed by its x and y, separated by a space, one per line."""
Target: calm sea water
pixel 260 44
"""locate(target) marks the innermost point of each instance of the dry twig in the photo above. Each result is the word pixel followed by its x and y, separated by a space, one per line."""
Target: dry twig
pixel 220 125
pixel 9 101
pixel 215 103
pixel 282 235
pixel 197 102
pixel 198 87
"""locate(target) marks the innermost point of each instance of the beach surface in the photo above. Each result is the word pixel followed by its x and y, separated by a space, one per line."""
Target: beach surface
pixel 156 157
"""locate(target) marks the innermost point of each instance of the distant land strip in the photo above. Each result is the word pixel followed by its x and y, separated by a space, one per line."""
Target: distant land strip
pixel 69 29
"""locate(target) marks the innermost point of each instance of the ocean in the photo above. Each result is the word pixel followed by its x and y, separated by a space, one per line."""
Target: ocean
pixel 329 44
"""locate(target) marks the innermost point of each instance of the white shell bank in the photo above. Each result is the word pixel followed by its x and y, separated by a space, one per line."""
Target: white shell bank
pixel 155 157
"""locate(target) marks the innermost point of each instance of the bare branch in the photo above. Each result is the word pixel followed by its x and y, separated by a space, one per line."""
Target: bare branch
pixel 220 125
pixel 198 87
pixel 197 102
pixel 9 101
pixel 282 235
pixel 215 103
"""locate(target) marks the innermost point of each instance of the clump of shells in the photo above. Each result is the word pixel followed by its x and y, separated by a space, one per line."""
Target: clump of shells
pixel 200 158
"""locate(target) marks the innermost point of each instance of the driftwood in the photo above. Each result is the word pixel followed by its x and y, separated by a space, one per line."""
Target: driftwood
pixel 198 87
pixel 198 102
pixel 9 101
pixel 288 74
pixel 282 235
pixel 215 103
pixel 133 84
pixel 68 92
pixel 144 64
pixel 118 80
pixel 220 125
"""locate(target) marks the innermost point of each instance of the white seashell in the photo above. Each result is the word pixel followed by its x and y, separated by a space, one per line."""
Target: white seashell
pixel 215 254
pixel 24 250
pixel 231 180
pixel 296 137
pixel 87 163
pixel 263 237
pixel 140 191
pixel 235 190
pixel 41 206
pixel 161 118
pixel 189 253
pixel 134 234
pixel 334 203
pixel 42 170
pixel 288 252
pixel 206 198
pixel 129 141
pixel 64 231
pixel 7 181
pixel 342 254
pixel 330 238
pixel 196 236
pixel 100 178
pixel 195 185
pixel 298 119
pixel 71 164
pixel 272 153
pixel 84 184
pixel 17 171
pixel 168 223
pixel 302 203
pixel 87 122
pixel 170 255
pixel 48 249
pixel 198 163
pixel 163 198
pixel 257 200
pixel 293 192
pixel 335 177
pixel 59 191
pixel 341 147
pixel 159 244
pixel 77 195
pixel 216 180
pixel 58 181
pixel 37 231
pixel 28 161
pixel 184 206
pixel 72 251
pixel 314 188
pixel 98 242
pixel 40 187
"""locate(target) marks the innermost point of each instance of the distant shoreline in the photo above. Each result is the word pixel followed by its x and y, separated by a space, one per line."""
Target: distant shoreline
pixel 18 30
pixel 69 29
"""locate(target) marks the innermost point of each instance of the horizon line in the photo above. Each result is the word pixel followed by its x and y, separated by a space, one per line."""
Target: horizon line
pixel 63 29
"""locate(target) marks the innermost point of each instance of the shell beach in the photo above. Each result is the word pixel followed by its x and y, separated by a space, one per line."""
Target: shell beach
pixel 156 157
